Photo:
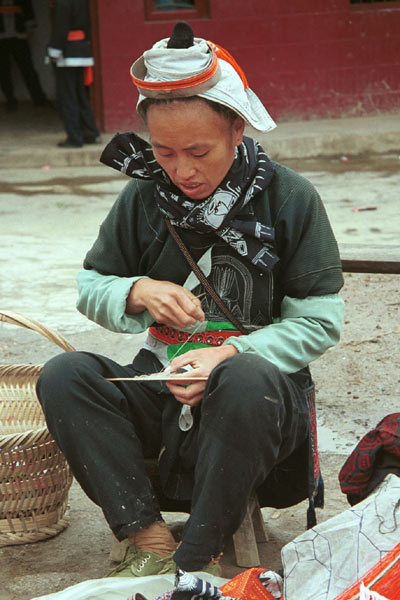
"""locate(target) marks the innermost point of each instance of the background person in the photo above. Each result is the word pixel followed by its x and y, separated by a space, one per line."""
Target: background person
pixel 260 234
pixel 17 22
pixel 69 49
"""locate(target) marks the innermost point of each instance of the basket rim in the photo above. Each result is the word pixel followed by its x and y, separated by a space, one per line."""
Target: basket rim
pixel 26 366
pixel 7 437
pixel 13 318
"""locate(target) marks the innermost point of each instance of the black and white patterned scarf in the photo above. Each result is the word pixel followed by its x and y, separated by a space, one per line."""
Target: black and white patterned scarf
pixel 250 173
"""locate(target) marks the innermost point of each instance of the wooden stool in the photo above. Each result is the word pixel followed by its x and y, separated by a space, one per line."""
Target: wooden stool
pixel 251 531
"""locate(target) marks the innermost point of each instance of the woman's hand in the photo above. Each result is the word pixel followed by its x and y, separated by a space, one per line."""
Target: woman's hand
pixel 168 303
pixel 202 361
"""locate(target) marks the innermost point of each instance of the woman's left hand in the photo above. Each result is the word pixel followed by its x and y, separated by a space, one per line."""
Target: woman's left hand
pixel 202 361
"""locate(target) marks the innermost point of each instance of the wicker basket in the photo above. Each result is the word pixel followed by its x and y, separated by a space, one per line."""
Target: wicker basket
pixel 34 475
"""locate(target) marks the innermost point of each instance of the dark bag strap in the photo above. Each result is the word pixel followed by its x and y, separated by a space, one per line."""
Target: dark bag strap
pixel 203 279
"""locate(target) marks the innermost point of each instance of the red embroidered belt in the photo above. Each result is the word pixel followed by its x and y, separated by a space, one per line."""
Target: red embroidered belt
pixel 169 335
pixel 75 35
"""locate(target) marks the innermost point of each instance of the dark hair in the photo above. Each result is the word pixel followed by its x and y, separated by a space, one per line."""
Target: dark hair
pixel 225 112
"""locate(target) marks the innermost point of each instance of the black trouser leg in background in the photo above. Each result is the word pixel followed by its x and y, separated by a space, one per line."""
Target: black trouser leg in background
pixel 74 105
pixel 22 55
pixel 68 102
pixel 6 82
pixel 88 124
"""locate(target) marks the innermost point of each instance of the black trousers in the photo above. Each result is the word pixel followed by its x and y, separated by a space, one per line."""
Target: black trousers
pixel 19 50
pixel 74 104
pixel 251 418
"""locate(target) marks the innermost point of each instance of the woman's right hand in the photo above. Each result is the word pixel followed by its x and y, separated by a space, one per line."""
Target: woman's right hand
pixel 168 303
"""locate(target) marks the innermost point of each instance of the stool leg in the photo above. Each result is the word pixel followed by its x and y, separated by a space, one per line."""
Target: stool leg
pixel 258 523
pixel 244 541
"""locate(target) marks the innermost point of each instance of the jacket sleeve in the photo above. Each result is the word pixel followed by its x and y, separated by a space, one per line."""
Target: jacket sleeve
pixel 102 299
pixel 306 329
pixel 60 26
pixel 30 23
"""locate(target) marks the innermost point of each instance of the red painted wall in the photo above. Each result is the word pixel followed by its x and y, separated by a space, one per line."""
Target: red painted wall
pixel 304 58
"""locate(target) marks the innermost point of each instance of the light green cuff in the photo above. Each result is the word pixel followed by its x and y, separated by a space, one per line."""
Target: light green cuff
pixel 102 298
pixel 308 327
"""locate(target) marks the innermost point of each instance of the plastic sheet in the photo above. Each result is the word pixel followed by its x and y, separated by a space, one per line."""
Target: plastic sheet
pixel 120 588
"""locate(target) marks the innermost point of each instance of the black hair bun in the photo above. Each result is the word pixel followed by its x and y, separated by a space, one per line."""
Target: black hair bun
pixel 182 36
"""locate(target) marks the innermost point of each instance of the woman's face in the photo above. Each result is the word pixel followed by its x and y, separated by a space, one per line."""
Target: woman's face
pixel 193 144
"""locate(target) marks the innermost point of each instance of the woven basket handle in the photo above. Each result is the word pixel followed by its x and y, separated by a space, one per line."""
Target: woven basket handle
pixel 16 319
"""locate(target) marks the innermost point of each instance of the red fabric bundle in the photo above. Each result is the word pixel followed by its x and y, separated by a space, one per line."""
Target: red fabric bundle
pixel 247 586
pixel 359 468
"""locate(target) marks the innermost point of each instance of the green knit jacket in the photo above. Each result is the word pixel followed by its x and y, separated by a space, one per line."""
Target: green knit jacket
pixel 294 314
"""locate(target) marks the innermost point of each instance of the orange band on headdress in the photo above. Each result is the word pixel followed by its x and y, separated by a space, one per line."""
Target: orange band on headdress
pixel 196 80
pixel 224 55
pixel 179 84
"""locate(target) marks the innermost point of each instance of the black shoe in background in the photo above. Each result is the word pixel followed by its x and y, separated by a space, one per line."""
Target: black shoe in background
pixel 89 139
pixel 68 144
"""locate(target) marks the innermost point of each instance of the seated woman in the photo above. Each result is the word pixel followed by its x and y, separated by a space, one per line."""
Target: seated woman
pixel 262 239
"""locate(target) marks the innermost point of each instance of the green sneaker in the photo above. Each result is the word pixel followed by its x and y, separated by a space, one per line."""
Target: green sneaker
pixel 140 563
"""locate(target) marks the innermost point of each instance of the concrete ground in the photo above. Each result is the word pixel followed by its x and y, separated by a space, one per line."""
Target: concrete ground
pixel 51 203
pixel 29 135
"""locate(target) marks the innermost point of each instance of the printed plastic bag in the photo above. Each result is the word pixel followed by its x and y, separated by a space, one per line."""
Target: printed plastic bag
pixel 328 559
pixel 382 578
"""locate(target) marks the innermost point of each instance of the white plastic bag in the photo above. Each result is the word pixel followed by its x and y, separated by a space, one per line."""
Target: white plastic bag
pixel 120 588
